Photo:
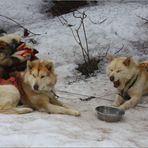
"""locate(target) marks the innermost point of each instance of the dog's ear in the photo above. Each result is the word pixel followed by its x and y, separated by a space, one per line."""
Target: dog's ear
pixel 127 61
pixel 109 58
pixel 49 65
pixel 29 65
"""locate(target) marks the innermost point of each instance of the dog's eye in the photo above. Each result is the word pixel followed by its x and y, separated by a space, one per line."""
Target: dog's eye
pixel 111 70
pixel 118 71
pixel 42 77
pixel 34 75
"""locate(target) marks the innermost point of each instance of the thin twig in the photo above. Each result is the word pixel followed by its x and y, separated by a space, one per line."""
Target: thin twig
pixel 74 15
pixel 17 23
pixel 104 55
pixel 97 22
pixel 74 35
pixel 76 32
pixel 60 20
pixel 82 17
pixel 143 19
pixel 80 43
pixel 85 36
pixel 119 49
pixel 107 51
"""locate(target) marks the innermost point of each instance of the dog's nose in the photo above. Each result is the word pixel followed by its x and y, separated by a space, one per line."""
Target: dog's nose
pixel 36 87
pixel 112 78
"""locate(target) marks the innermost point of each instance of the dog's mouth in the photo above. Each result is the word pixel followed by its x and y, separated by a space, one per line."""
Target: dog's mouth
pixel 116 83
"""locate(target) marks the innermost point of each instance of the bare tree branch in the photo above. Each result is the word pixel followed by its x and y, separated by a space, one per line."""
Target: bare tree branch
pixel 143 18
pixel 60 20
pixel 80 43
pixel 86 41
pixel 119 49
pixel 74 35
pixel 107 51
pixel 97 22
pixel 76 32
pixel 74 15
pixel 17 23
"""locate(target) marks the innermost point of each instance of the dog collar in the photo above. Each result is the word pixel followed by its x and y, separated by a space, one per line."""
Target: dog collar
pixel 124 92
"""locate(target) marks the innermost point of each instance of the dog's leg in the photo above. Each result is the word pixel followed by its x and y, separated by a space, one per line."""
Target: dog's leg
pixel 42 103
pixel 55 101
pixel 118 101
pixel 23 110
pixel 61 110
pixel 16 110
pixel 130 103
pixel 59 103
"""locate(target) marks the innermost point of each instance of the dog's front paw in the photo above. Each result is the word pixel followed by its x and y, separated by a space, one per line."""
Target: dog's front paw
pixel 122 107
pixel 75 113
pixel 115 104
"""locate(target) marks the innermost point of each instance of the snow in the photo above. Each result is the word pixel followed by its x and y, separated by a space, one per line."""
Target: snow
pixel 57 44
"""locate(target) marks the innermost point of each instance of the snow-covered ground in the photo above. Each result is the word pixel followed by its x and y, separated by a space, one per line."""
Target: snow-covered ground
pixel 57 44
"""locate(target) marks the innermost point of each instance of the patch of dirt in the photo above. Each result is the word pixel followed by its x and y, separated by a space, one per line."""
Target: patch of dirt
pixel 62 7
pixel 88 68
pixel 2 31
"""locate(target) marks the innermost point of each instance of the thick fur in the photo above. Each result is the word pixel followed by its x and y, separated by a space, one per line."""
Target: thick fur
pixel 9 99
pixel 40 74
pixel 11 39
pixel 120 70
pixel 8 44
pixel 36 86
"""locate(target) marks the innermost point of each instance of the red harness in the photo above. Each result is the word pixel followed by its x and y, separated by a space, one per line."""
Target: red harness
pixel 11 80
pixel 23 53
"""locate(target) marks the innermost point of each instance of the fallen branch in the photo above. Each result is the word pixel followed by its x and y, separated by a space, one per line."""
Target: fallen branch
pixel 143 19
pixel 119 49
pixel 18 24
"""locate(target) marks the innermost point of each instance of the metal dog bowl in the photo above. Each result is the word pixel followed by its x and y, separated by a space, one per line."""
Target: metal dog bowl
pixel 109 114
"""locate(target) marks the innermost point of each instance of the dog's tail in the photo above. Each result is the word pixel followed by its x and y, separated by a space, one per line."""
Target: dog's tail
pixel 16 110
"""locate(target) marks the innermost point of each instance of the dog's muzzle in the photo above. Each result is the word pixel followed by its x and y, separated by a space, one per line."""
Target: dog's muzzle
pixel 112 78
pixel 36 87
pixel 116 83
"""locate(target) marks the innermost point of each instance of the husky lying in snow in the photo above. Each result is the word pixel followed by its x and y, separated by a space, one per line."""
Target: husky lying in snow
pixel 130 79
pixel 34 87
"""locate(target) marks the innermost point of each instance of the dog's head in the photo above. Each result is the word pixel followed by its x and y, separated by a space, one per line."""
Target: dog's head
pixel 40 75
pixel 120 70
pixel 5 50
pixel 11 38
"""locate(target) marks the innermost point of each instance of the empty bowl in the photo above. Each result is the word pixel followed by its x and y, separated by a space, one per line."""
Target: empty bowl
pixel 109 114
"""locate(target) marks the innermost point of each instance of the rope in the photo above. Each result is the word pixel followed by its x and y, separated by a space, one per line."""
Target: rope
pixel 84 95
pixel 92 97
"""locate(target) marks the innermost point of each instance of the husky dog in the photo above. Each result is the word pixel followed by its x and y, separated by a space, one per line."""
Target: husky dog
pixel 9 99
pixel 8 44
pixel 130 79
pixel 36 86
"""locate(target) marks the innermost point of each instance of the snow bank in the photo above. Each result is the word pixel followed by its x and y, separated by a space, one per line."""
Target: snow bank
pixel 57 44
